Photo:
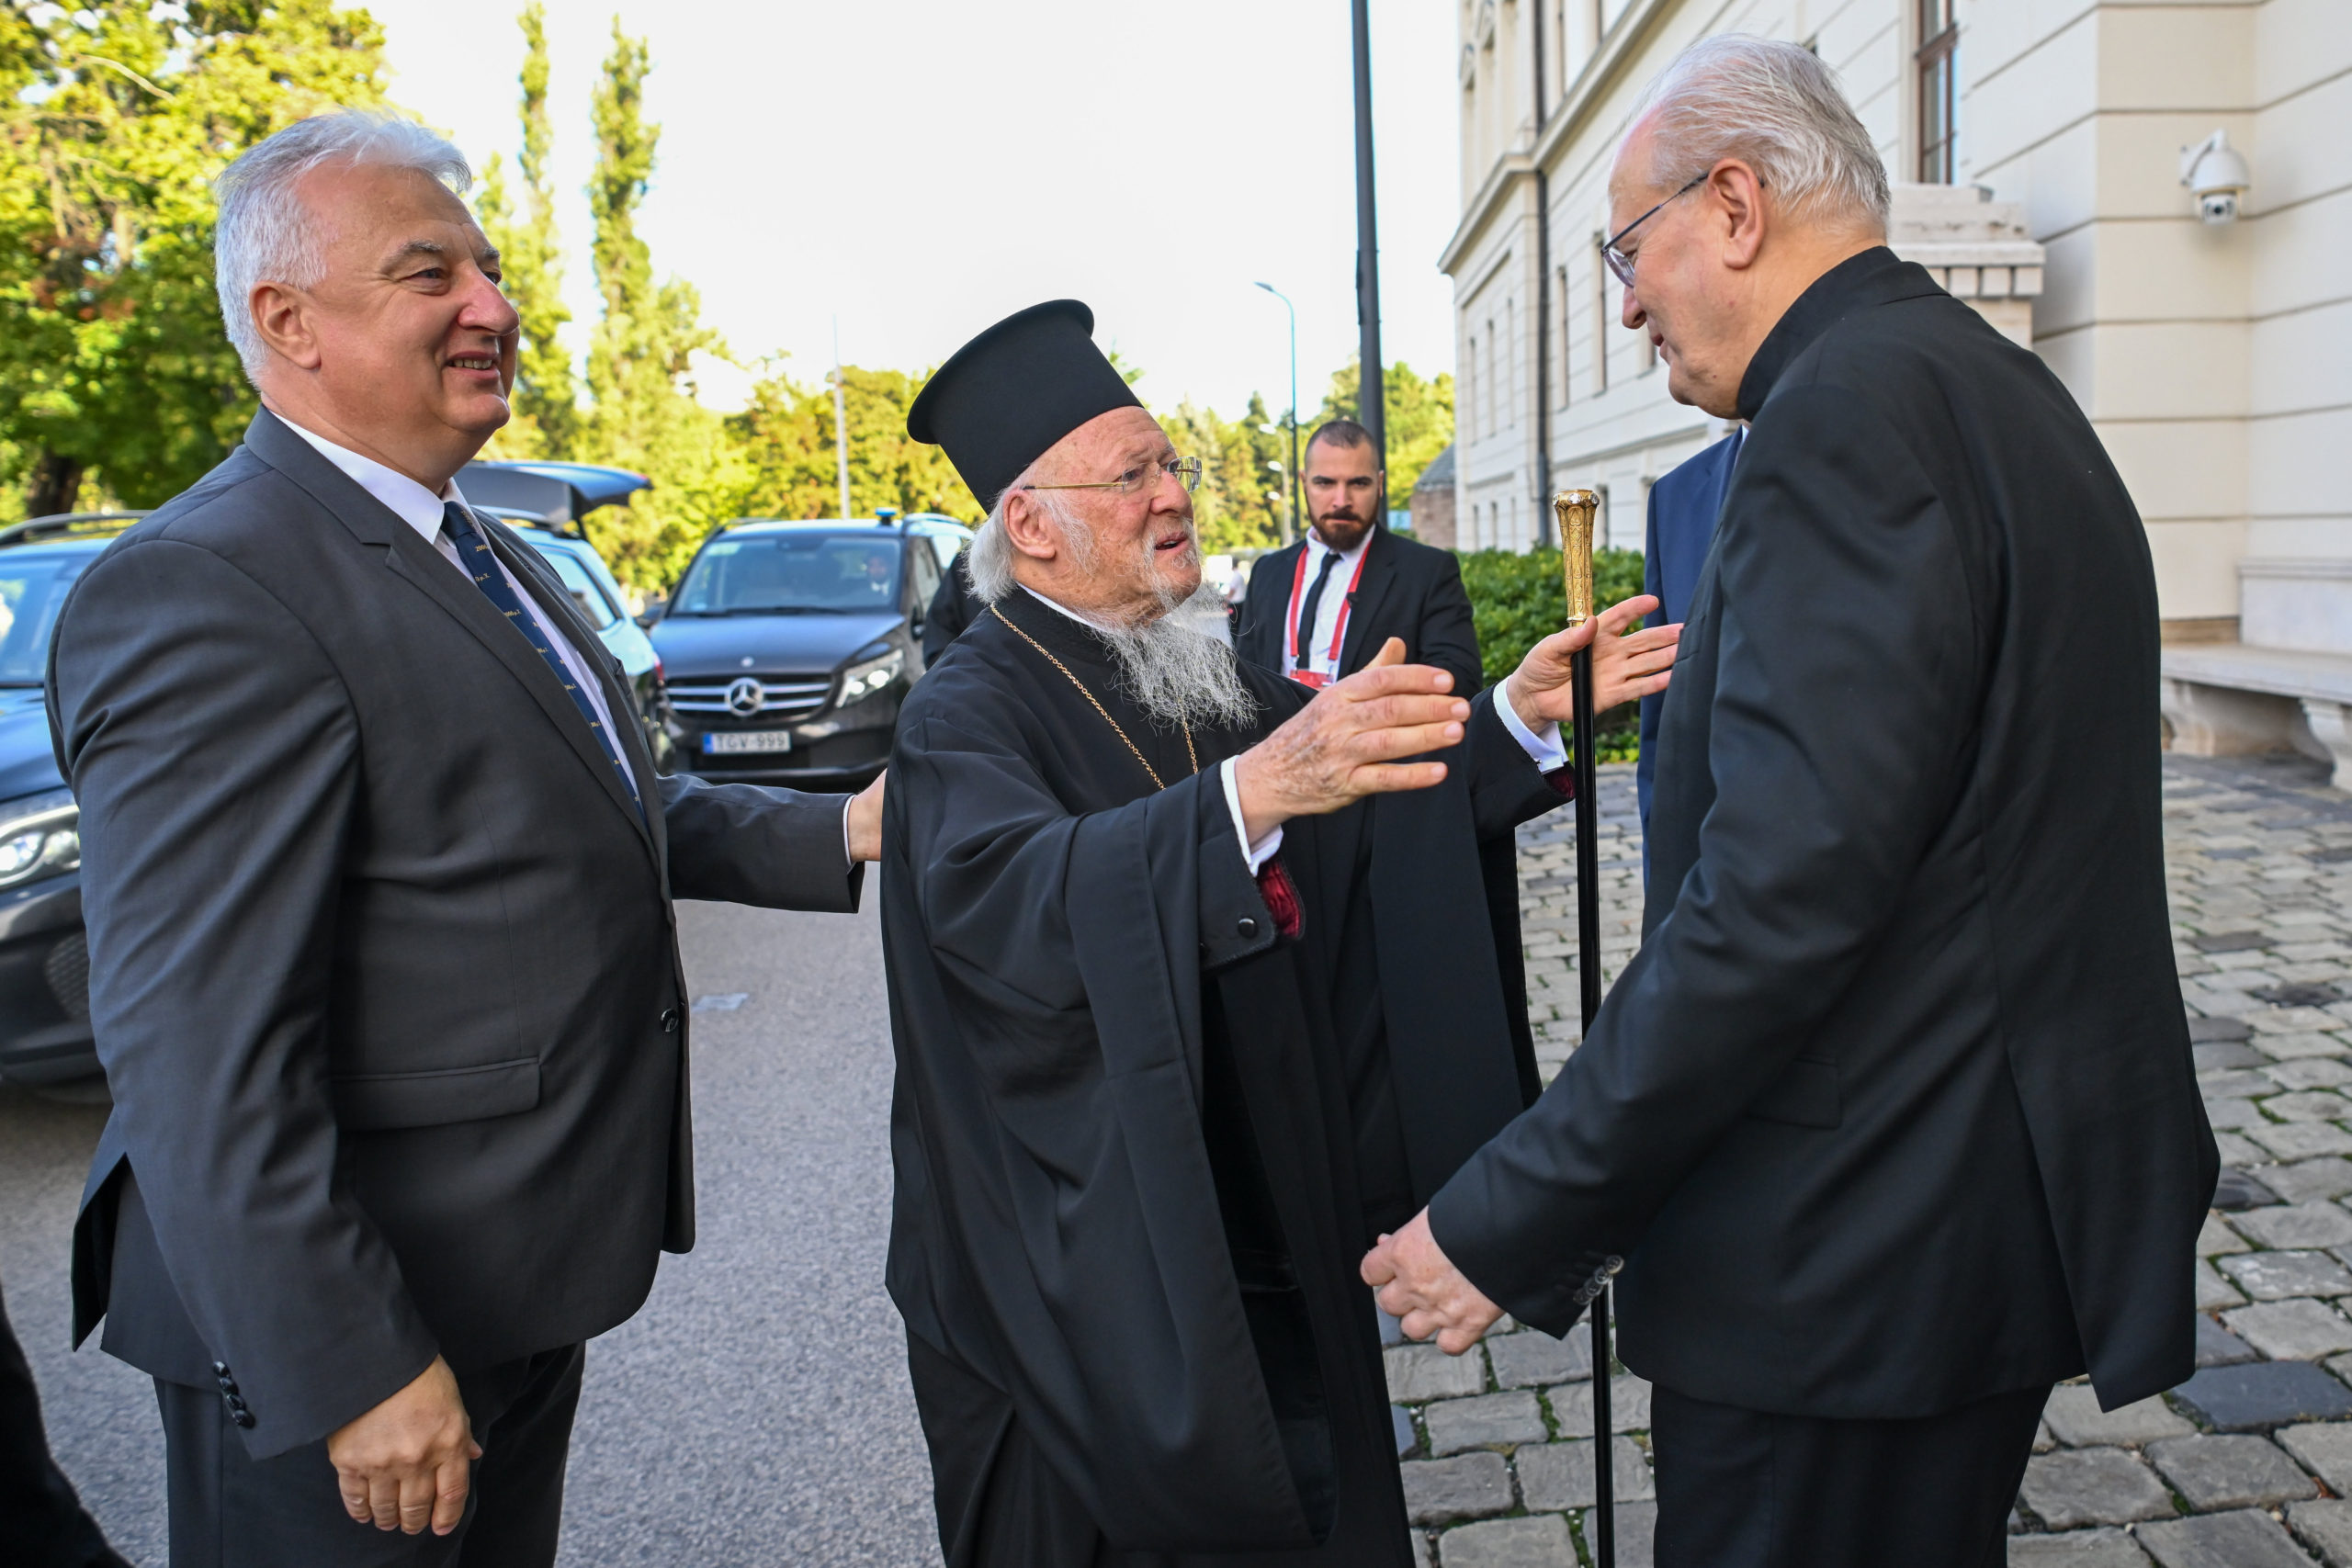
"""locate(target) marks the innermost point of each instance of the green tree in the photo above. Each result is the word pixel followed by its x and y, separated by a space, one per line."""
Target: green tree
pixel 786 434
pixel 546 394
pixel 115 374
pixel 1420 419
pixel 644 414
pixel 1516 599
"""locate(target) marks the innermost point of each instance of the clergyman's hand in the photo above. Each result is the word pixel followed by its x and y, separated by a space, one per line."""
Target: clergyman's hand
pixel 1419 1284
pixel 865 821
pixel 406 1464
pixel 1344 744
pixel 1625 666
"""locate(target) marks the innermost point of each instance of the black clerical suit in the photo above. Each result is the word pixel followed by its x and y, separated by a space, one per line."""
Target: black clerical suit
pixel 1412 591
pixel 385 977
pixel 1131 1168
pixel 1893 1117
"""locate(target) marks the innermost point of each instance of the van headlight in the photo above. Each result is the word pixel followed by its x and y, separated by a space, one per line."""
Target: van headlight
pixel 39 836
pixel 861 680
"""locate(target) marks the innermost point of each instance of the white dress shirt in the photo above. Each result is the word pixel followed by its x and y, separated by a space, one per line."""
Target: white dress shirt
pixel 1317 640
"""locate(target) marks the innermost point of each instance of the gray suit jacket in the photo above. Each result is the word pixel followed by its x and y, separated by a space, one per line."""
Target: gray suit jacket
pixel 383 968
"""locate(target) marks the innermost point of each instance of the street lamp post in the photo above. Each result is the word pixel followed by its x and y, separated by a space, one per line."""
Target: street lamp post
pixel 1290 523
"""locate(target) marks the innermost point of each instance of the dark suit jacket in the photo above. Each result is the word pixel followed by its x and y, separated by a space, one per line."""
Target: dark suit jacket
pixel 382 963
pixel 1894 1108
pixel 1408 590
pixel 1681 525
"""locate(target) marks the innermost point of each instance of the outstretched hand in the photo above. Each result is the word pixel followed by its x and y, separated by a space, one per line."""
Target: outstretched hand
pixel 1419 1284
pixel 1345 744
pixel 1624 666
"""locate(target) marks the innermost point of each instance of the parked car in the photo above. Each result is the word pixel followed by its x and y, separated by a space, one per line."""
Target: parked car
pixel 44 958
pixel 788 645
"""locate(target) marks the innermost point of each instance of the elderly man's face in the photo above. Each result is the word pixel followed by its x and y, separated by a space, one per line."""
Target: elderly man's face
pixel 406 343
pixel 1143 554
pixel 1683 295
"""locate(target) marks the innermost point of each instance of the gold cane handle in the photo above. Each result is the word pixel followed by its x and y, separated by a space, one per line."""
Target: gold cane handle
pixel 1574 510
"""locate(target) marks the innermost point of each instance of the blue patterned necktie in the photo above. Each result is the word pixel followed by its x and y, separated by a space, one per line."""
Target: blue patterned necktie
pixel 482 567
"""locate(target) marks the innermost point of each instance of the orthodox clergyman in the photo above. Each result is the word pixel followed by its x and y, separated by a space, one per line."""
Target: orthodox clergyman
pixel 1130 888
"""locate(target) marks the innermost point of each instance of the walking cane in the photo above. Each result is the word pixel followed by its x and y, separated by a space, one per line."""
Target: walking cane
pixel 1573 511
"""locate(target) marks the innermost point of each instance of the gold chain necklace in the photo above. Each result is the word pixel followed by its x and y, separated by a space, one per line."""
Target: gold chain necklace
pixel 1114 723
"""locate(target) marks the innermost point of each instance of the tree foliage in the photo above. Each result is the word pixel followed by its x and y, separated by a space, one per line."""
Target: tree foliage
pixel 1519 599
pixel 547 393
pixel 1420 419
pixel 114 118
pixel 644 413
pixel 786 435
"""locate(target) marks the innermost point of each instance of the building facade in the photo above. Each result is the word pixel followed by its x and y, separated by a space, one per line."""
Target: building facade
pixel 2037 147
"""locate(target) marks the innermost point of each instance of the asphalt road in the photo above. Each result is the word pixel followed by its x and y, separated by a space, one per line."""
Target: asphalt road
pixel 756 1412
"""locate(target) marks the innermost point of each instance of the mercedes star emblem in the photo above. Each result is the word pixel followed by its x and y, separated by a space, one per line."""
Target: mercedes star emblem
pixel 745 698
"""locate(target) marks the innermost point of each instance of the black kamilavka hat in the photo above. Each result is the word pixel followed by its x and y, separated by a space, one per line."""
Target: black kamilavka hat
pixel 1005 397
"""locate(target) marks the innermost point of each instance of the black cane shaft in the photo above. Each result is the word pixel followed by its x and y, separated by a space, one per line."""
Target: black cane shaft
pixel 1604 1510
pixel 1604 1471
pixel 1587 849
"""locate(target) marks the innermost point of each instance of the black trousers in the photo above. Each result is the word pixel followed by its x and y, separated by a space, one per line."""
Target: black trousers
pixel 1742 1489
pixel 231 1511
pixel 41 1517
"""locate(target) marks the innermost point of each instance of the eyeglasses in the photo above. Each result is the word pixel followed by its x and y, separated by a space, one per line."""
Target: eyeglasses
pixel 1143 476
pixel 1618 262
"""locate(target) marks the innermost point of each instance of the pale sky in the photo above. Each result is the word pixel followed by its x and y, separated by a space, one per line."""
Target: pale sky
pixel 919 169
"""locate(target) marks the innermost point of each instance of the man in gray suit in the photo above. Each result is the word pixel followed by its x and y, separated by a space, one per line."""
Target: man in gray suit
pixel 378 877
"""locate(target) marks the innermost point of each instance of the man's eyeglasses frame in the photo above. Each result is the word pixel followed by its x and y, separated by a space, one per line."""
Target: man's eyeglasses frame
pixel 1186 469
pixel 1618 262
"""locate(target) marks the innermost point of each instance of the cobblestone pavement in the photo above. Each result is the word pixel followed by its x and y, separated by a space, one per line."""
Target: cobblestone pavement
pixel 2246 1465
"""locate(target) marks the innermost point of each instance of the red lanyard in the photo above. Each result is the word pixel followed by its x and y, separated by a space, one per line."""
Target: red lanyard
pixel 1339 624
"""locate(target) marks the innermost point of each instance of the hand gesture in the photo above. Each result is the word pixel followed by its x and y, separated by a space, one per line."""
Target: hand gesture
pixel 1344 744
pixel 408 1462
pixel 1624 666
pixel 1419 1285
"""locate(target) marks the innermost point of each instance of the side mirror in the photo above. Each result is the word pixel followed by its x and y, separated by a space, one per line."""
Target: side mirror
pixel 651 613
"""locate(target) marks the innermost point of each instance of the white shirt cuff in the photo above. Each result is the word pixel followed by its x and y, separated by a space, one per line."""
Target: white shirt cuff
pixel 849 858
pixel 1541 745
pixel 1254 855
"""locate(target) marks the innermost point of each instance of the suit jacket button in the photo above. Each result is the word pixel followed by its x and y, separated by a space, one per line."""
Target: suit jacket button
pixel 1247 925
pixel 220 1369
pixel 669 1020
pixel 242 1417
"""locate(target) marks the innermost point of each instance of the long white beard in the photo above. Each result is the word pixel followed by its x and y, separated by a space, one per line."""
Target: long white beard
pixel 1176 674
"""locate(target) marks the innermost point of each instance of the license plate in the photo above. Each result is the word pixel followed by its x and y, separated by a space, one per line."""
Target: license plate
pixel 716 743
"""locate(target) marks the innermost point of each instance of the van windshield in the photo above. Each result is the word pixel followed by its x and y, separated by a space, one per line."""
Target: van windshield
pixel 791 573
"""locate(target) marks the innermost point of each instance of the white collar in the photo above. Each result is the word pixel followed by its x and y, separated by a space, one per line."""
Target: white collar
pixel 409 501
pixel 1347 557
pixel 1083 620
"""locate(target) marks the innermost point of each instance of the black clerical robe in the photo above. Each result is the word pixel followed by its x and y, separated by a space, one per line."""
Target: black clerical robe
pixel 1140 1133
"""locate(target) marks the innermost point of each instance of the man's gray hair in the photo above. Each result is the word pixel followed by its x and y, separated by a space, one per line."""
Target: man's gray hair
pixel 263 234
pixel 989 557
pixel 1775 107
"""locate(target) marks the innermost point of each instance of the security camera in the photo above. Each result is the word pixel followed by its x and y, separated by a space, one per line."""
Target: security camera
pixel 2214 171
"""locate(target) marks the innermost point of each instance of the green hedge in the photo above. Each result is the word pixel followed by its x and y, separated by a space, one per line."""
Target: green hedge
pixel 1519 599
